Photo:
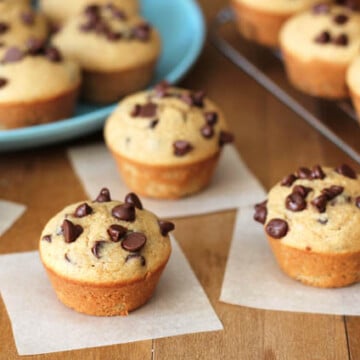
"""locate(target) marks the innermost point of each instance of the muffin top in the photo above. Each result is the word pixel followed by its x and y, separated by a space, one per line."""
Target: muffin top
pixel 166 126
pixel 38 73
pixel 105 38
pixel 18 23
pixel 59 11
pixel 279 6
pixel 315 210
pixel 330 33
pixel 105 241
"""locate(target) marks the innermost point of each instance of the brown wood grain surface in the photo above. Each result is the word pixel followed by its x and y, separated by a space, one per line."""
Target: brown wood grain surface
pixel 272 141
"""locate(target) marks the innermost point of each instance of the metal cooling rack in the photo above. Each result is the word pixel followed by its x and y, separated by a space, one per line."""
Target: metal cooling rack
pixel 297 102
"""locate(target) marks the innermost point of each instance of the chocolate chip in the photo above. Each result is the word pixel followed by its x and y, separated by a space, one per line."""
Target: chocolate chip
pixel 295 202
pixel 96 248
pixel 277 228
pixel 350 4
pixel 53 54
pixel 124 212
pixel 323 38
pixel 332 192
pixel 71 231
pixel 141 32
pixel 288 180
pixel 357 202
pixel 225 138
pixel 161 89
pixel 211 118
pixel 147 110
pixel 182 147
pixel 320 203
pixel 133 199
pixel 207 131
pixel 153 124
pixel 113 36
pixel 116 232
pixel 66 257
pixel 304 173
pixel 104 196
pixel 3 82
pixel 88 26
pixel 83 210
pixel 323 221
pixel 198 98
pixel 346 170
pixel 165 227
pixel 35 46
pixel 12 54
pixel 321 8
pixel 341 19
pixel 341 40
pixel 260 212
pixel 92 10
pixel 317 172
pixel 133 241
pixel 47 238
pixel 27 17
pixel 4 27
pixel 136 256
pixel 308 248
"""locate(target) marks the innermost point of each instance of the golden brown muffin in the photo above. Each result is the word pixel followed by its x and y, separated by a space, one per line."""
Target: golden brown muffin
pixel 36 86
pixel 353 83
pixel 117 52
pixel 105 257
pixel 261 20
pixel 166 141
pixel 318 47
pixel 311 220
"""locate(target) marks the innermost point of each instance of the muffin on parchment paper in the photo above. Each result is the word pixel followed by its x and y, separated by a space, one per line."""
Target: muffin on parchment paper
pixel 311 219
pixel 166 141
pixel 117 51
pixel 105 257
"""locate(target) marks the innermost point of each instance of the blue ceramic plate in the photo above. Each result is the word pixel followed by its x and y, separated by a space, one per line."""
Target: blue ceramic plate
pixel 182 29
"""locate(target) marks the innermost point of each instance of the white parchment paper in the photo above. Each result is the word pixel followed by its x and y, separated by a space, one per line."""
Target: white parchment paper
pixel 9 213
pixel 41 324
pixel 252 278
pixel 233 184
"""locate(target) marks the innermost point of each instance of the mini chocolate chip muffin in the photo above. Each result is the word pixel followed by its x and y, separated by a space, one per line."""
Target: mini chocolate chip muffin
pixel 261 20
pixel 105 257
pixel 318 47
pixel 60 11
pixel 117 51
pixel 166 141
pixel 311 220
pixel 37 86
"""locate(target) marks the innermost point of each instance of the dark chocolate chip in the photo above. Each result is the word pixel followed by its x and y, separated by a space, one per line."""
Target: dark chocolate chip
pixel 92 10
pixel 53 54
pixel 12 54
pixel 346 170
pixel 341 40
pixel 288 180
pixel 260 212
pixel 133 199
pixel 71 231
pixel 198 98
pixel 317 172
pixel 124 212
pixel 350 4
pixel 146 110
pixel 341 19
pixel 4 27
pixel 304 173
pixel 133 241
pixel 225 138
pixel 136 256
pixel 332 192
pixel 165 227
pixel 141 32
pixel 153 124
pixel 211 118
pixel 27 17
pixel 161 89
pixel 35 46
pixel 104 196
pixel 295 202
pixel 116 232
pixel 207 131
pixel 277 228
pixel 302 190
pixel 357 202
pixel 321 8
pixel 47 238
pixel 3 82
pixel 323 221
pixel 182 147
pixel 320 203
pixel 323 38
pixel 113 36
pixel 83 210
pixel 96 248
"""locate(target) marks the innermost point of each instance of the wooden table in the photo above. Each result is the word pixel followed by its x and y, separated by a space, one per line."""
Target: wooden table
pixel 273 142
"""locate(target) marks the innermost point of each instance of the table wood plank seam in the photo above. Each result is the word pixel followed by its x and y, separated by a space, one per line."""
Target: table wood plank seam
pixel 347 337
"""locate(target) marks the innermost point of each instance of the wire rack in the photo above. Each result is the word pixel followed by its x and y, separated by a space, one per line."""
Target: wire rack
pixel 326 117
